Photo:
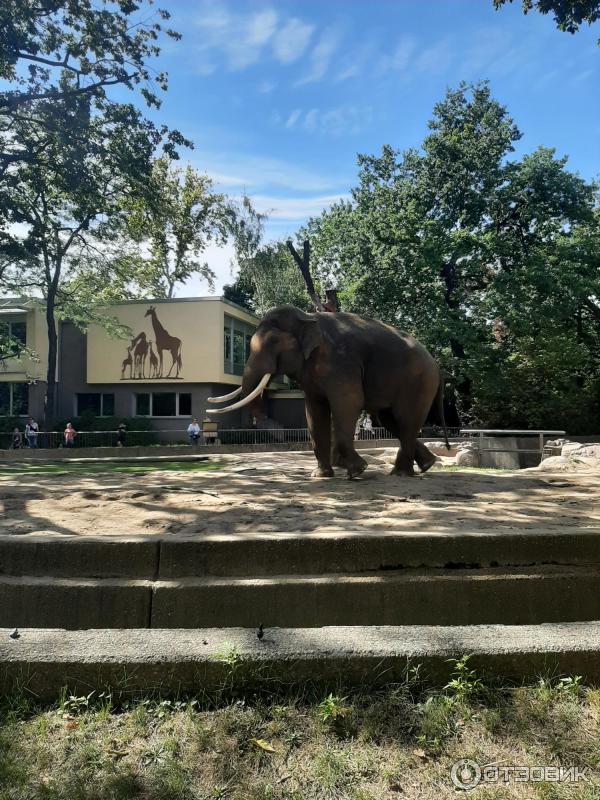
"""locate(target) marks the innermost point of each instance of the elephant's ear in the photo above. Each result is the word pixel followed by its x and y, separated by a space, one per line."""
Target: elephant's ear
pixel 310 336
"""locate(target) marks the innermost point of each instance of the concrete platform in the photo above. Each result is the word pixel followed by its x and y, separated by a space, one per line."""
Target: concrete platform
pixel 128 662
pixel 299 581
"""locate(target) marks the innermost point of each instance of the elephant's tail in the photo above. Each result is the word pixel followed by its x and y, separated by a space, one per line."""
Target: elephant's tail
pixel 439 398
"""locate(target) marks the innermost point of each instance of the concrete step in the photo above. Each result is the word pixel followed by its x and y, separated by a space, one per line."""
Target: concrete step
pixel 514 596
pixel 279 553
pixel 130 662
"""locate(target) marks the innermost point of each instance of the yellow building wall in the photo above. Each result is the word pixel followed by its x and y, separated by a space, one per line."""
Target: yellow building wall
pixel 37 341
pixel 188 330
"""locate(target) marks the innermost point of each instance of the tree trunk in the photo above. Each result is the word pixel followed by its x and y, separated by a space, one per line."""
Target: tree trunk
pixel 50 404
pixel 462 394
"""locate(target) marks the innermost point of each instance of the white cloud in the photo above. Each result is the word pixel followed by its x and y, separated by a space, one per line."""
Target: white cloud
pixel 293 118
pixel 250 173
pixel 292 40
pixel 293 208
pixel 241 38
pixel 320 57
pixel 311 120
pixel 400 58
pixel 358 61
pixel 340 121
pixel 266 87
pixel 435 59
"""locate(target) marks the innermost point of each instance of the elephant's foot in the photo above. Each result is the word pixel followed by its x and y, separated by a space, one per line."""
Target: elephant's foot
pixel 337 460
pixel 357 468
pixel 427 464
pixel 322 472
pixel 404 472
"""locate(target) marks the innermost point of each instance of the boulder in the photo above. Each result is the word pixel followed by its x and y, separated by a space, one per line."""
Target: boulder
pixel 467 457
pixel 589 452
pixel 557 442
pixel 570 448
pixel 555 464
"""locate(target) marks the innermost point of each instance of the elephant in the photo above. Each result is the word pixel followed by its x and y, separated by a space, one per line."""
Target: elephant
pixel 346 363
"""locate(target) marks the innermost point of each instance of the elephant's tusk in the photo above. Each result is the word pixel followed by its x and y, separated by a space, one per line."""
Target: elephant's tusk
pixel 245 400
pixel 224 398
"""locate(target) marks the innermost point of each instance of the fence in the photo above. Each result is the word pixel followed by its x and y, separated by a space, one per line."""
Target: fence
pixel 514 451
pixel 230 436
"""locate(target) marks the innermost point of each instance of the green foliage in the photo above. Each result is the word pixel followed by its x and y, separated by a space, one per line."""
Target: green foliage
pixel 464 685
pixel 332 708
pixel 268 277
pixel 168 226
pixel 64 51
pixel 569 15
pixel 493 263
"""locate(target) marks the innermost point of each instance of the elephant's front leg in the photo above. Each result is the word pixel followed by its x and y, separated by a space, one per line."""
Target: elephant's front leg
pixel 345 410
pixel 318 417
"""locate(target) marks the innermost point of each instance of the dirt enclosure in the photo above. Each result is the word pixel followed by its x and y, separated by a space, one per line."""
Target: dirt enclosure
pixel 273 492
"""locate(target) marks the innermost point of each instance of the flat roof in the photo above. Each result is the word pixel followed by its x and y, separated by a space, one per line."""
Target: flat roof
pixel 9 303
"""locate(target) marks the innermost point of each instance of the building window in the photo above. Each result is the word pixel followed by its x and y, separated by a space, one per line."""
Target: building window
pixel 142 405
pixel 100 405
pixel 236 345
pixel 163 404
pixel 185 404
pixel 14 399
pixel 17 331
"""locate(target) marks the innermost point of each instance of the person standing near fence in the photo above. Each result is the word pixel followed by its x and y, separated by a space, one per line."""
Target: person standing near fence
pixel 193 432
pixel 70 434
pixel 121 434
pixel 32 430
pixel 368 427
pixel 17 440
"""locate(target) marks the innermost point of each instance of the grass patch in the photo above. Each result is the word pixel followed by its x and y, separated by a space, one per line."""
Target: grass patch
pixel 61 468
pixel 395 742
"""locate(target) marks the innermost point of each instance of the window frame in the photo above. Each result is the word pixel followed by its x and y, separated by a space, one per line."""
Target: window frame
pixel 245 331
pixel 9 322
pixel 151 414
pixel 77 411
pixel 11 385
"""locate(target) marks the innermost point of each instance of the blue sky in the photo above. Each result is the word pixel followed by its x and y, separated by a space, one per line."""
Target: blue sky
pixel 280 96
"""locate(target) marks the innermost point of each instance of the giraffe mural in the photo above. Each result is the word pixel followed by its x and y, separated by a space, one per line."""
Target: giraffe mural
pixel 164 341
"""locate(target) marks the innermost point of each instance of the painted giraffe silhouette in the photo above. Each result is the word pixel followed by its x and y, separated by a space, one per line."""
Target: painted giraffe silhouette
pixel 127 362
pixel 139 355
pixel 153 361
pixel 164 341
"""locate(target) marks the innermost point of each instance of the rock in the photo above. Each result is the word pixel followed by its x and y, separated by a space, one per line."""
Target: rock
pixel 589 452
pixel 467 457
pixel 555 464
pixel 557 442
pixel 468 444
pixel 569 448
pixel 436 445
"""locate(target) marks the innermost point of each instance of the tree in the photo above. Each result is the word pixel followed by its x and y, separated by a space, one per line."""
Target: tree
pixel 62 208
pixel 569 15
pixel 57 50
pixel 268 277
pixel 483 258
pixel 170 225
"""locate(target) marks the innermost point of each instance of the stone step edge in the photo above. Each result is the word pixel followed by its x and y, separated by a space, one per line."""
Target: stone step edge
pixel 280 553
pixel 405 575
pixel 44 661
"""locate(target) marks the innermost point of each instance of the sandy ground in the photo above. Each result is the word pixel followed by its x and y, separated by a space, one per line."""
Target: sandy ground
pixel 273 492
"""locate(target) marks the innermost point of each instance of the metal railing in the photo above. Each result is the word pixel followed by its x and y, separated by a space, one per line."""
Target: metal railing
pixel 484 435
pixel 228 436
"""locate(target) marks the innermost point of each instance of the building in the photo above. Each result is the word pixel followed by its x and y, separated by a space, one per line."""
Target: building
pixel 174 354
